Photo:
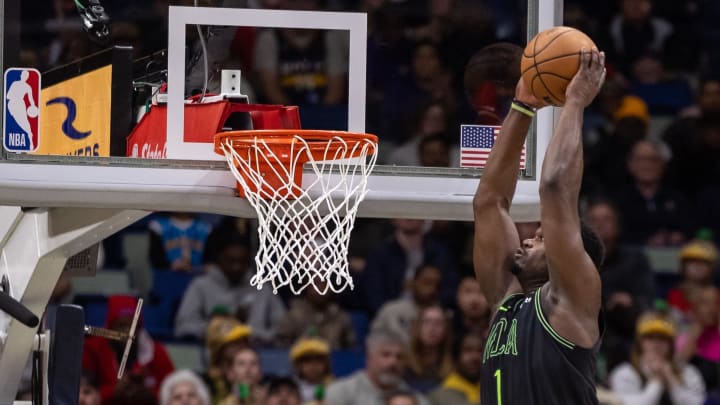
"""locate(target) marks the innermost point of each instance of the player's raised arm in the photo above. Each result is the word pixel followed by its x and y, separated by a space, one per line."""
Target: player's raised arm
pixel 496 238
pixel 574 279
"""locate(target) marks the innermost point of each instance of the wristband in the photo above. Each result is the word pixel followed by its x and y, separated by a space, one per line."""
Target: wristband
pixel 523 108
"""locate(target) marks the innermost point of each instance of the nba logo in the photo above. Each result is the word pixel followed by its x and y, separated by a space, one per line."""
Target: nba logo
pixel 22 113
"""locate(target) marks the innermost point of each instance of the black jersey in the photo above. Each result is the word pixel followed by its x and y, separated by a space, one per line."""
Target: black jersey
pixel 526 362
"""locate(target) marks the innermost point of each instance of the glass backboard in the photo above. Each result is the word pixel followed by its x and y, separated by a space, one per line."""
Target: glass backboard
pixel 134 111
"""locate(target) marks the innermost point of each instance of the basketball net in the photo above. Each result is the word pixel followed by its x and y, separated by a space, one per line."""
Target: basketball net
pixel 304 231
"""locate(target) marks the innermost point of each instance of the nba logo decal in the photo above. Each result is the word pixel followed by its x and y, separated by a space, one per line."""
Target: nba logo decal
pixel 22 113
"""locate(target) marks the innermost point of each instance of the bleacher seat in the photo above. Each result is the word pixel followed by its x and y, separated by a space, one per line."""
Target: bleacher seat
pixel 346 362
pixel 361 325
pixel 187 356
pixel 275 362
pixel 164 300
pixel 95 307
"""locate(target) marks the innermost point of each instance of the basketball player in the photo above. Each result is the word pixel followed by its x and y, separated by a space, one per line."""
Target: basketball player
pixel 545 292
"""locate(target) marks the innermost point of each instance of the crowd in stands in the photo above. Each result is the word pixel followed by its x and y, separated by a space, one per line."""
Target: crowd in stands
pixel 415 324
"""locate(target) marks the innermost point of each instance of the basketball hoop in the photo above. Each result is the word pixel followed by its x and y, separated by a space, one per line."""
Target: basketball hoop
pixel 304 231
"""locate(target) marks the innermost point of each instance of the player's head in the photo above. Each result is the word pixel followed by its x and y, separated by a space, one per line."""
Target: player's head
pixel 24 75
pixel 531 264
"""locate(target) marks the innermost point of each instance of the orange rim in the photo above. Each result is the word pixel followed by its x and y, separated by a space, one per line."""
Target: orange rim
pixel 281 139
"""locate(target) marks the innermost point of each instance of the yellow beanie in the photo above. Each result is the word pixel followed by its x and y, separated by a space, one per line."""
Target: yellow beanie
pixel 309 346
pixel 632 106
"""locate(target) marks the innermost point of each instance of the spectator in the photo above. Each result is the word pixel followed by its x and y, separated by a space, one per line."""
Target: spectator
pixel 708 100
pixel 652 212
pixel 381 376
pixel 697 263
pixel 474 312
pixel 302 66
pixel 490 84
pixel 626 275
pixel 183 387
pixel 434 151
pixel 177 242
pixel 315 314
pixel 627 283
pixel 89 393
pixel 283 391
pixel 635 31
pixel 228 227
pixel 700 345
pixel 430 349
pixel 311 362
pixel 693 165
pixel 664 93
pixel 624 122
pixel 431 118
pixel 225 335
pixel 652 377
pixel 462 386
pixel 391 266
pixel 428 81
pixel 227 284
pixel 147 365
pixel 243 374
pixel 398 316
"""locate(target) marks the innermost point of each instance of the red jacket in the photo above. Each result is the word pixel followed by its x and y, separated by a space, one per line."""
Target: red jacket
pixel 100 361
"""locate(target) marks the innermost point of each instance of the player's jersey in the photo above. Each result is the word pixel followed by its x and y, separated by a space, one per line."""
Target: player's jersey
pixel 526 362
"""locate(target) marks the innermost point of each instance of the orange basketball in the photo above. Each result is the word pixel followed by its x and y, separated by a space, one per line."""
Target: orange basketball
pixel 550 60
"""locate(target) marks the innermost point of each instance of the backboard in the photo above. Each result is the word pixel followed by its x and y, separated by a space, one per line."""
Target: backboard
pixel 189 176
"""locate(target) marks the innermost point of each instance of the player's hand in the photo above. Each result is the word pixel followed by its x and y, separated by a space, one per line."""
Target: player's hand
pixel 524 95
pixel 589 79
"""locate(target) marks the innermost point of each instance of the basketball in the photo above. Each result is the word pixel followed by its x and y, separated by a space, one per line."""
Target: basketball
pixel 32 111
pixel 550 60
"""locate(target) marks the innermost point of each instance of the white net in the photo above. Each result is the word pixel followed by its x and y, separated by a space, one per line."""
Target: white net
pixel 304 231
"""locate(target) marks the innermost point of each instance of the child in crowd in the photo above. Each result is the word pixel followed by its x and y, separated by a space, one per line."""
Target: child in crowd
pixel 243 374
pixel 224 336
pixel 311 360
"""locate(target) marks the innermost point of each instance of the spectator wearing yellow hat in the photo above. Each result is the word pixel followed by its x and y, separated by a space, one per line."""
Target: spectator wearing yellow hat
pixel 623 120
pixel 225 335
pixel 697 265
pixel 311 360
pixel 652 377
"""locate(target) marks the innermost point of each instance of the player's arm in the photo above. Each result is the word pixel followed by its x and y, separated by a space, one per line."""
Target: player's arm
pixel 496 238
pixel 574 280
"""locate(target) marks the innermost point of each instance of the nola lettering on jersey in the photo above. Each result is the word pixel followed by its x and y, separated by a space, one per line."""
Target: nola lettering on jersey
pixel 501 340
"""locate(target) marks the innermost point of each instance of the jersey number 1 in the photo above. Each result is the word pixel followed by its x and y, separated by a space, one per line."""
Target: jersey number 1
pixel 498 385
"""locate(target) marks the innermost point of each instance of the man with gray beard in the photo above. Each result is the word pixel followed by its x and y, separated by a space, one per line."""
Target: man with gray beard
pixel 381 377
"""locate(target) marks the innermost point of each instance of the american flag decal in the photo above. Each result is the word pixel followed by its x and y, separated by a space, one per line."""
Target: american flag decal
pixel 476 141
